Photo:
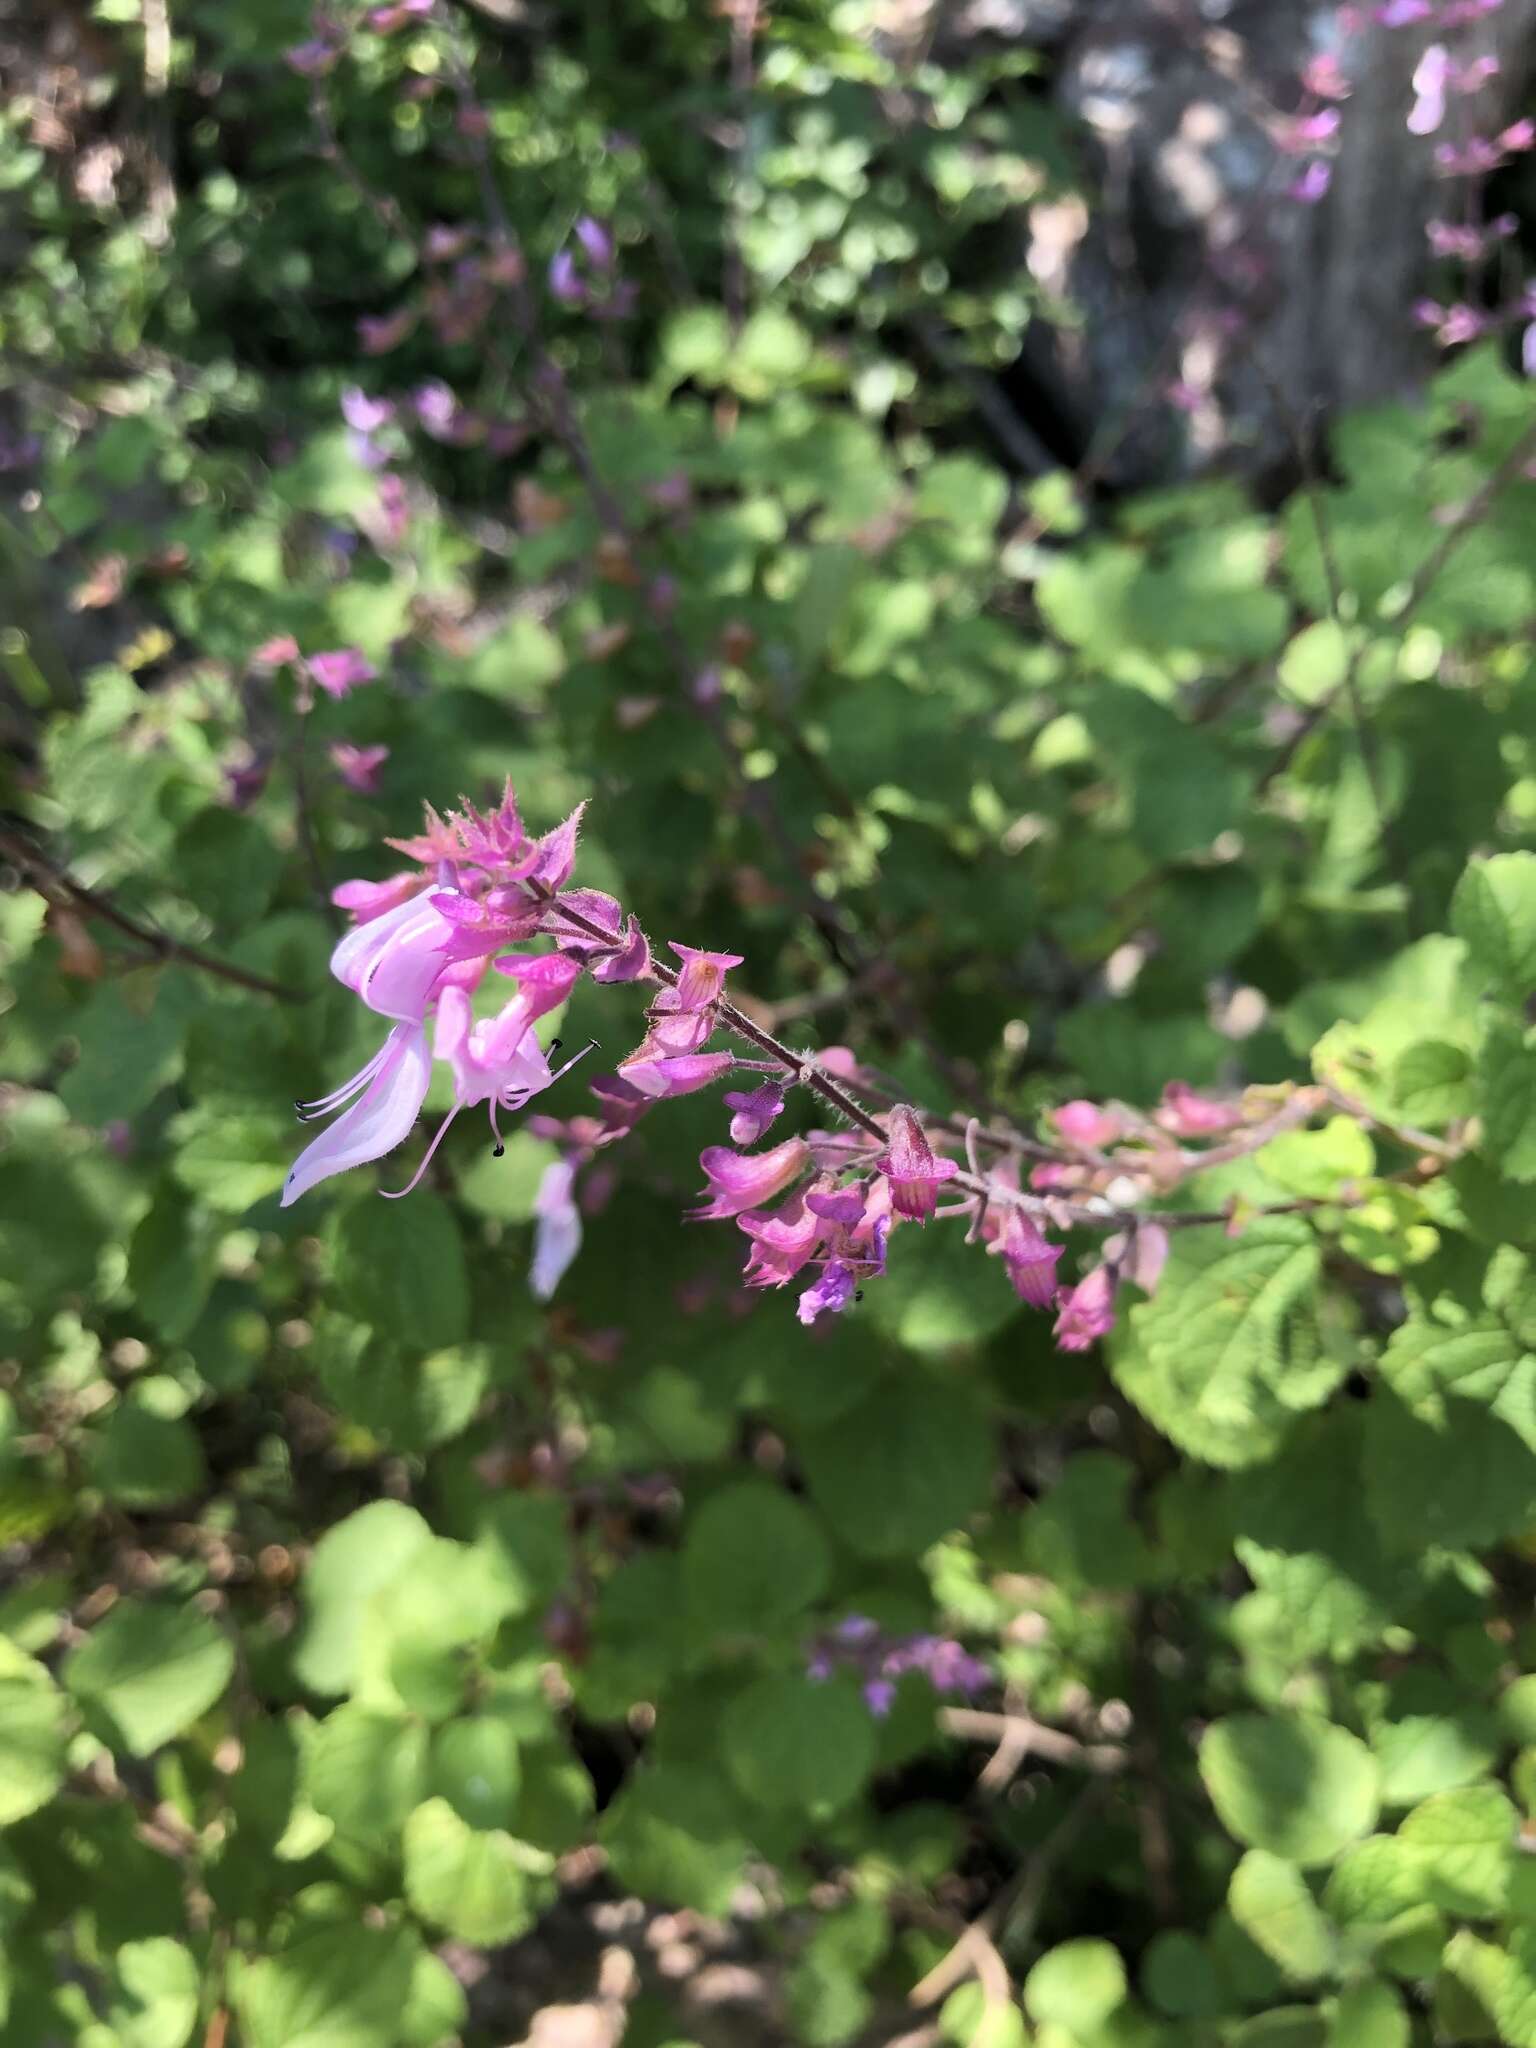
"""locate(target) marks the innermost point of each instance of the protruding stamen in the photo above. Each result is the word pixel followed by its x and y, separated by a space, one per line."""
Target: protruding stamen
pixel 394 1194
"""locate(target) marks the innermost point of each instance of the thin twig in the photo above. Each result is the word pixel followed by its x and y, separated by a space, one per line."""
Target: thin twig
pixel 55 885
pixel 1032 1738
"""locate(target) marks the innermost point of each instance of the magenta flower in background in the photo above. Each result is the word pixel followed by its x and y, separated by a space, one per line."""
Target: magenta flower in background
pixel 359 767
pixel 1313 186
pixel 556 1228
pixel 385 20
pixel 1087 1312
pixel 362 413
pixel 275 653
pixel 341 670
pixel 378 1107
pixel 377 334
pixel 565 280
pixel 1431 80
pixel 1085 1123
pixel 1402 13
pixel 596 241
pixel 746 1180
pixel 1188 1114
pixel 910 1165
pixel 312 59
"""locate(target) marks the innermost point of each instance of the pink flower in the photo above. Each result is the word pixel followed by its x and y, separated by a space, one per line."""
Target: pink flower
pixel 1087 1312
pixel 385 20
pixel 495 1060
pixel 913 1171
pixel 275 653
pixel 1430 81
pixel 1312 187
pixel 845 1206
pixel 556 1229
pixel 394 961
pixel 1029 1257
pixel 753 1112
pixel 340 671
pixel 1190 1115
pixel 442 416
pixel 701 981
pixel 365 900
pixel 1086 1123
pixel 1325 79
pixel 655 1074
pixel 359 767
pixel 313 58
pixel 363 414
pixel 1402 13
pixel 385 1098
pixel 378 334
pixel 746 1180
pixel 1520 136
pixel 1528 352
pixel 782 1240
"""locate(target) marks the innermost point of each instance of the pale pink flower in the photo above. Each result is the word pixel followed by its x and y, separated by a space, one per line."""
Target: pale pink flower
pixel 378 1107
pixel 738 1181
pixel 341 671
pixel 359 767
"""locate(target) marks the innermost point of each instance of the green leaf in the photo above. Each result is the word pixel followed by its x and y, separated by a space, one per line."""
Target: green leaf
pixel 1432 1082
pixel 127 1053
pixel 366 1771
pixel 793 1745
pixel 1370 2015
pixel 1494 910
pixel 1270 1900
pixel 352 1561
pixel 341 1987
pixel 477 1769
pixel 156 1995
pixel 675 1832
pixel 1427 1753
pixel 32 1736
pixel 1463 1478
pixel 474 1883
pixel 1227 1352
pixel 1179 1977
pixel 1514 2003
pixel 150 1669
pixel 1506 1073
pixel 1462 1845
pixel 400 1268
pixel 143 1460
pixel 1081 1534
pixel 1301 1788
pixel 905 1466
pixel 1077 1985
pixel 753 1558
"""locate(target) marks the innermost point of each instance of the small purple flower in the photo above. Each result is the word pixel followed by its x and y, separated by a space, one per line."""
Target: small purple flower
pixel 753 1112
pixel 596 241
pixel 312 59
pixel 1312 187
pixel 363 414
pixel 829 1295
pixel 838 1205
pixel 654 1074
pixel 1402 13
pixel 359 767
pixel 879 1697
pixel 341 670
pixel 564 280
pixel 378 334
pixel 1528 350
pixel 1030 1259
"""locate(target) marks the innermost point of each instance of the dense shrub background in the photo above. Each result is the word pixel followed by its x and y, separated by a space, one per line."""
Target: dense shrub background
pixel 356 1608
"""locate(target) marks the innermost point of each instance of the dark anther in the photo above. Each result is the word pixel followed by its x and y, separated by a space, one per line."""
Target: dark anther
pixel 555 1044
pixel 498 1150
pixel 858 1294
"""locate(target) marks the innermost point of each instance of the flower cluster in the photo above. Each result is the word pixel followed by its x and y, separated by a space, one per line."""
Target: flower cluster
pixel 817 1208
pixel 858 1645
